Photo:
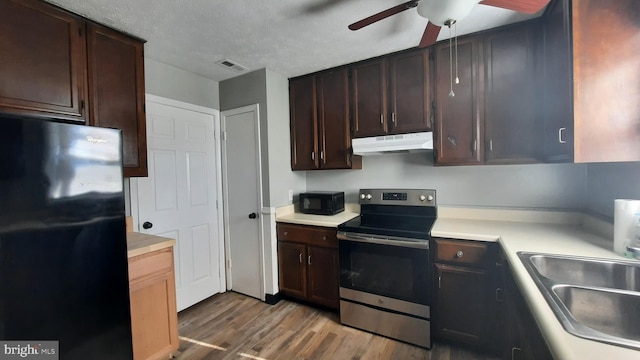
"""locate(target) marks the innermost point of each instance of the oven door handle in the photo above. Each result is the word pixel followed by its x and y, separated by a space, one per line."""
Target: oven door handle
pixel 372 239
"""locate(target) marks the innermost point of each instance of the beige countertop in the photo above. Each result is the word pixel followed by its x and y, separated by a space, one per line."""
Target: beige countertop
pixel 565 233
pixel 288 214
pixel 140 244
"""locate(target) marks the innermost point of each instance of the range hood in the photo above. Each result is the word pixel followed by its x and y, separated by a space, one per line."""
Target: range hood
pixel 400 143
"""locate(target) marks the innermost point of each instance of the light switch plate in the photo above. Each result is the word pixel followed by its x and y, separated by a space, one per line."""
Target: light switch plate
pixel 290 195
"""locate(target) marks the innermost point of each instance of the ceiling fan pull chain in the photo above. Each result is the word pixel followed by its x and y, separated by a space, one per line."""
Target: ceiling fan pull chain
pixel 455 35
pixel 451 93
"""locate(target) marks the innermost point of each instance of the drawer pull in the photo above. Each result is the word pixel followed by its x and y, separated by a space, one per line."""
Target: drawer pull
pixel 309 259
pixel 324 238
pixel 286 233
pixel 300 257
pixel 459 253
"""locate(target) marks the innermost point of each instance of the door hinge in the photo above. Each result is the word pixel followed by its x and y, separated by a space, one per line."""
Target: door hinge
pixel 216 204
pixel 229 264
pixel 224 135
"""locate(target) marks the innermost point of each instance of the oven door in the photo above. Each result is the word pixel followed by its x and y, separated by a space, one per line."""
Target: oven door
pixel 393 268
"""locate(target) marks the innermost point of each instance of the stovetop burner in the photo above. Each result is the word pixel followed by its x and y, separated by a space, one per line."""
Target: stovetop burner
pixel 396 213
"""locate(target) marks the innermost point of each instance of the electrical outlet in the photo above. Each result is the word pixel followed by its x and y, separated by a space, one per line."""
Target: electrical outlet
pixel 290 195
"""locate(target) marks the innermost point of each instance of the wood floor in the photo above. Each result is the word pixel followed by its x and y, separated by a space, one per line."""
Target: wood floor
pixel 234 326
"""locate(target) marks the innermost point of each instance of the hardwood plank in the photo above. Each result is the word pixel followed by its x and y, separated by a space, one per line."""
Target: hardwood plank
pixel 234 326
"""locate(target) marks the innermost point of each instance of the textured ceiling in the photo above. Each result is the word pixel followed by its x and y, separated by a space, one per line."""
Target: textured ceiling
pixel 290 37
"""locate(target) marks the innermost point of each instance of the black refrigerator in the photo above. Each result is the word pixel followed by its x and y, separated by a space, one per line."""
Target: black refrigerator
pixel 63 251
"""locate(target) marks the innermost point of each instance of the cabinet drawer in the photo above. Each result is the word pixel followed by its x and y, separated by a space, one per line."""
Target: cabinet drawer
pixel 156 262
pixel 461 252
pixel 311 235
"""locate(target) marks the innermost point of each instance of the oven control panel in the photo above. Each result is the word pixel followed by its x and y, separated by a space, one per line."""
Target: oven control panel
pixel 412 197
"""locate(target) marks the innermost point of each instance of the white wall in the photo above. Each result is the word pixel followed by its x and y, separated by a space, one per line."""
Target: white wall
pixel 173 83
pixel 609 181
pixel 557 186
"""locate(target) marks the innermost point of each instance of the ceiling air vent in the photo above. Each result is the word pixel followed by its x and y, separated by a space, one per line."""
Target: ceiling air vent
pixel 229 64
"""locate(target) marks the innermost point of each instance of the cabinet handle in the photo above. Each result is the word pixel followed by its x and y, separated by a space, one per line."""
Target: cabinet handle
pixel 381 119
pixel 560 132
pixel 321 155
pixel 499 296
pixel 490 145
pixel 393 118
pixel 324 238
pixel 474 146
pixel 459 253
pixel 313 155
pixel 513 352
pixel 300 257
pixel 309 260
pixel 286 233
pixel 439 282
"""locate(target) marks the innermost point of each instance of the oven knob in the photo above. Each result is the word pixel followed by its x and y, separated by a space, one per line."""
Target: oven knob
pixel 380 301
pixel 423 198
pixel 369 196
pixel 430 197
pixel 362 196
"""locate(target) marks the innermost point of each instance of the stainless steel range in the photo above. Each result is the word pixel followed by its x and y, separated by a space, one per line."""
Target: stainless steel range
pixel 384 264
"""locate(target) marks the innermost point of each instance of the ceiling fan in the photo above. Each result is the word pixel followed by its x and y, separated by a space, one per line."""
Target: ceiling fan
pixel 447 12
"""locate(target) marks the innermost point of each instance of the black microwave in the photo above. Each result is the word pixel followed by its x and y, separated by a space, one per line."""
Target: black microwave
pixel 321 202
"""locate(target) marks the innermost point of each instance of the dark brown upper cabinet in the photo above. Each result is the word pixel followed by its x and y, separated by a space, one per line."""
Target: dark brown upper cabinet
pixel 116 92
pixel 458 118
pixel 557 86
pixel 602 106
pixel 392 95
pixel 492 117
pixel 43 61
pixel 62 67
pixel 512 129
pixel 320 131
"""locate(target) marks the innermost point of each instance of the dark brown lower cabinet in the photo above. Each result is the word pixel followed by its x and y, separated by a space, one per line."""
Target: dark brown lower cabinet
pixel 467 302
pixel 308 263
pixel 522 338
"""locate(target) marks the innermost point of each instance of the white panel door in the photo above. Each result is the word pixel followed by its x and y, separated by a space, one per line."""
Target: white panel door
pixel 179 198
pixel 242 192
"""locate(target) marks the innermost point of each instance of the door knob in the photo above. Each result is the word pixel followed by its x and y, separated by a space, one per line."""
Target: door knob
pixel 253 216
pixel 147 225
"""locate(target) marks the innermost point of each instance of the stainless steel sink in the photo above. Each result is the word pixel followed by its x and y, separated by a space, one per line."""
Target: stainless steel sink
pixel 588 271
pixel 597 299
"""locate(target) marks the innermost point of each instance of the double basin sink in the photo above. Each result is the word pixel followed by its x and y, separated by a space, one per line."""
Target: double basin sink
pixel 597 299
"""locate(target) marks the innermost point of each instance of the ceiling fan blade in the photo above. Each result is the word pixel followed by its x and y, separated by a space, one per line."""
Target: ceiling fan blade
pixel 383 14
pixel 523 6
pixel 430 35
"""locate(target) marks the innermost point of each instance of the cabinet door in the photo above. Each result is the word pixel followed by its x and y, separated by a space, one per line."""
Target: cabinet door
pixel 323 276
pixel 458 121
pixel 303 117
pixel 116 90
pixel 292 268
pixel 511 127
pixel 462 308
pixel 333 105
pixel 43 52
pixel 369 94
pixel 410 98
pixel 557 98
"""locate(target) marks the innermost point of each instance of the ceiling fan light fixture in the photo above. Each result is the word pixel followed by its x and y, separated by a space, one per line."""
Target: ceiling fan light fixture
pixel 440 12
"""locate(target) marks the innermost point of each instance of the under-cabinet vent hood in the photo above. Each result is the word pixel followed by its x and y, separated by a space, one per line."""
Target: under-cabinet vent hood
pixel 393 144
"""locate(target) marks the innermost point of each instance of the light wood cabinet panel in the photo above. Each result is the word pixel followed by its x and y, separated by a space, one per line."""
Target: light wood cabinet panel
pixel 116 90
pixel 606 71
pixel 154 316
pixel 43 66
